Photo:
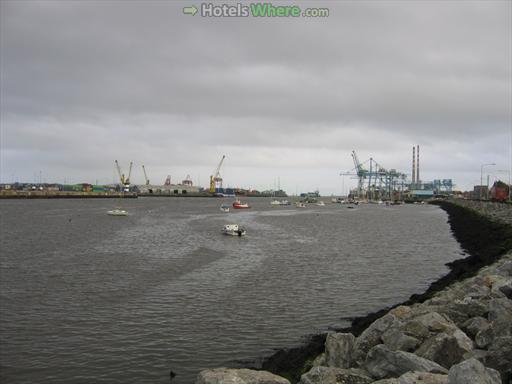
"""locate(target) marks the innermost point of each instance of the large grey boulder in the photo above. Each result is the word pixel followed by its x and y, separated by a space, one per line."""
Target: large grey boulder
pixel 446 349
pixel 499 357
pixel 371 336
pixel 331 375
pixel 423 378
pixel 382 363
pixel 474 372
pixel 435 322
pixel 396 340
pixel 238 376
pixel 416 329
pixel 500 310
pixel 470 307
pixel 505 269
pixel 479 354
pixel 484 337
pixel 500 323
pixel 339 350
pixel 319 360
pixel 507 291
pixel 475 325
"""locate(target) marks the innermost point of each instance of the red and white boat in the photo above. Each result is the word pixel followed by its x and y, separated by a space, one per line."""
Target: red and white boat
pixel 239 205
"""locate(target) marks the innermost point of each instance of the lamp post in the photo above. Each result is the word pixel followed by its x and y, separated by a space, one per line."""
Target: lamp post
pixel 482 177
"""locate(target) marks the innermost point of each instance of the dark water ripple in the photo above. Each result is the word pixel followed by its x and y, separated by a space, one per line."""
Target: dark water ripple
pixel 90 298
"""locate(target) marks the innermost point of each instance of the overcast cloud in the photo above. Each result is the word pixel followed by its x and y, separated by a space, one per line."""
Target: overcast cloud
pixel 87 82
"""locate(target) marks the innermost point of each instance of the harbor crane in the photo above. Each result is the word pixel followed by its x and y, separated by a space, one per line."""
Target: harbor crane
pixel 216 179
pixel 125 181
pixel 375 182
pixel 145 175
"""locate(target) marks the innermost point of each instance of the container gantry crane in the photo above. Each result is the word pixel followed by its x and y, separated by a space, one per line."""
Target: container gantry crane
pixel 216 179
pixel 376 182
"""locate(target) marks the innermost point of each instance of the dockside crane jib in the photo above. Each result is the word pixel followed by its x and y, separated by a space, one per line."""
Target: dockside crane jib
pixel 145 175
pixel 216 179
pixel 125 181
pixel 121 175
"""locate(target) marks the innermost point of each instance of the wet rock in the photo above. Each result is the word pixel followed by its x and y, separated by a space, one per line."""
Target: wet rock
pixel 339 350
pixel 422 378
pixel 371 336
pixel 331 375
pixel 446 349
pixel 396 340
pixel 238 376
pixel 499 357
pixel 475 325
pixel 474 372
pixel 381 363
pixel 386 381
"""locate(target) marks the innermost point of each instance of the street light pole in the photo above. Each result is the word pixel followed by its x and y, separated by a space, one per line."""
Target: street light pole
pixel 482 177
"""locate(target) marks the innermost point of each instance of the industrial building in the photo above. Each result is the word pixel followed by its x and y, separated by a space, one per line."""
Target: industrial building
pixel 376 182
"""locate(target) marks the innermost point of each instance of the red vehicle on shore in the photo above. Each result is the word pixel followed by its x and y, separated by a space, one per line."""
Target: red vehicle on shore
pixel 499 191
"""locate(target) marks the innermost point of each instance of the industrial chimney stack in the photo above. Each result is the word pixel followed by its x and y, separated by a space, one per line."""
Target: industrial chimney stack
pixel 413 165
pixel 417 164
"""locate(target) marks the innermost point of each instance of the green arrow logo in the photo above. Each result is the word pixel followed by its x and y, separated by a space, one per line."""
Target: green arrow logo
pixel 190 10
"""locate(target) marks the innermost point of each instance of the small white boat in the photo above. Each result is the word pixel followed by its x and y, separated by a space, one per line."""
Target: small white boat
pixel 233 230
pixel 224 208
pixel 279 202
pixel 300 204
pixel 321 203
pixel 117 212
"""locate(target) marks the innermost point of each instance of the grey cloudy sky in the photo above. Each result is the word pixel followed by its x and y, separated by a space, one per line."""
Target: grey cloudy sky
pixel 87 82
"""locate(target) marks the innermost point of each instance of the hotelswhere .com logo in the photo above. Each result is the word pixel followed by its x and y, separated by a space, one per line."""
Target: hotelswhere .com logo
pixel 254 10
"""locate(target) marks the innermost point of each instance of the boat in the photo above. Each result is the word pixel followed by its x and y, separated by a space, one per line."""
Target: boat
pixel 237 204
pixel 224 208
pixel 321 203
pixel 280 202
pixel 117 212
pixel 233 230
pixel 300 204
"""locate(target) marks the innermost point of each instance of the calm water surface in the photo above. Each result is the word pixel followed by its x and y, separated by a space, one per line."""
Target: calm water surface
pixel 87 297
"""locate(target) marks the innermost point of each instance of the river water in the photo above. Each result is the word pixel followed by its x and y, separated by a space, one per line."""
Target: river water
pixel 87 297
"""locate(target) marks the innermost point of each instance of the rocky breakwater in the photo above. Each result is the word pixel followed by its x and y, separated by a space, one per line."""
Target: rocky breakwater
pixel 458 332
